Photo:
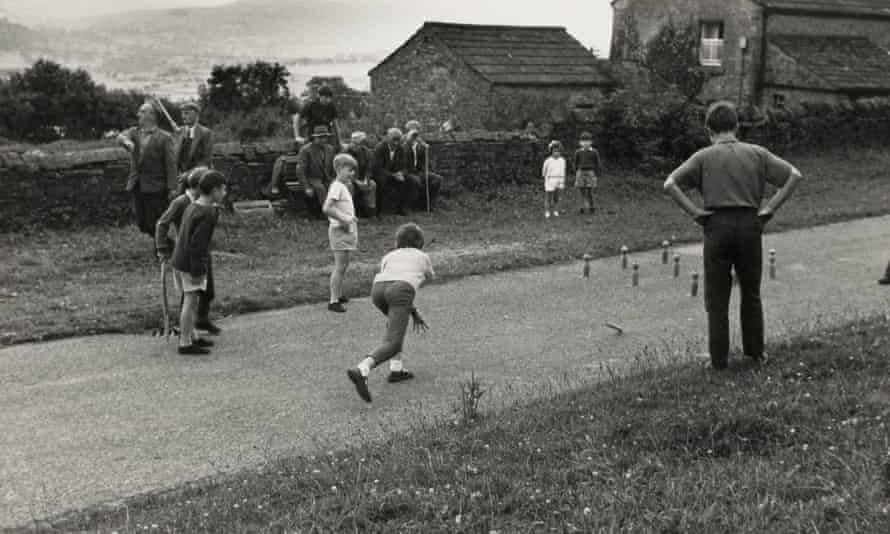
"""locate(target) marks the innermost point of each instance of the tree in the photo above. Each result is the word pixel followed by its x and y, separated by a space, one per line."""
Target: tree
pixel 350 102
pixel 673 55
pixel 47 102
pixel 246 87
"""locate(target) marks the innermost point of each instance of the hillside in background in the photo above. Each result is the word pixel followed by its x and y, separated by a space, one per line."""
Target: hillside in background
pixel 282 29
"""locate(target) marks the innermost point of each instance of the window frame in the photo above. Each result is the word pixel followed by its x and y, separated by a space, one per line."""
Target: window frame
pixel 711 49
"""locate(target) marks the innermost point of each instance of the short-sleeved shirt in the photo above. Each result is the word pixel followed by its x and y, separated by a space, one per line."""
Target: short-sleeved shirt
pixel 342 199
pixel 406 265
pixel 732 174
pixel 317 114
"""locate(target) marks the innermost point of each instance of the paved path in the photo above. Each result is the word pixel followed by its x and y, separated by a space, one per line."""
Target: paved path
pixel 89 420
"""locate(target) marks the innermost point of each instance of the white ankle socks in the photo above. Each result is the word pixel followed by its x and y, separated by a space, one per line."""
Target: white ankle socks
pixel 395 366
pixel 365 366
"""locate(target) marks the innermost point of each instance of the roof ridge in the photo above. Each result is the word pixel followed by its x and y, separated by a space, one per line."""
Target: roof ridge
pixel 436 23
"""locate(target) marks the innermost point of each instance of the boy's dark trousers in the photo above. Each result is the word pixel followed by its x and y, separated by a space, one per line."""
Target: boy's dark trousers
pixel 395 300
pixel 733 241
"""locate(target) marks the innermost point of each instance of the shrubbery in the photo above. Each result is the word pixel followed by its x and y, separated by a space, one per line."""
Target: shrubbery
pixel 48 102
pixel 655 133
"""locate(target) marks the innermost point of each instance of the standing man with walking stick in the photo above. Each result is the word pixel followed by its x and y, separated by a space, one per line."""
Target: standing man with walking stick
pixel 153 177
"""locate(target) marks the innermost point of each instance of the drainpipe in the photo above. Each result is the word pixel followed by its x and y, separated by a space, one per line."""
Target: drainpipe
pixel 761 67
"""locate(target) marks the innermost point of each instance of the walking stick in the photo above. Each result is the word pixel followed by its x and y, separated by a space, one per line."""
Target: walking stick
pixel 165 305
pixel 427 161
pixel 160 106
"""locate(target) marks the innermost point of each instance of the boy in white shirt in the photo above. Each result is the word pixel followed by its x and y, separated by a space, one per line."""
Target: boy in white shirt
pixel 554 179
pixel 343 230
pixel 402 272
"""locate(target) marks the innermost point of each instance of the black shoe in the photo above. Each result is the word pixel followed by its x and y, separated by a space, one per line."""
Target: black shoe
pixel 399 376
pixel 763 359
pixel 885 281
pixel 343 300
pixel 337 307
pixel 203 343
pixel 361 384
pixel 193 350
pixel 208 327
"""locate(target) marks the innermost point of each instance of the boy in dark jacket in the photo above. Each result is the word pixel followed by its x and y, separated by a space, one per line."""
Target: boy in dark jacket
pixel 191 257
pixel 173 216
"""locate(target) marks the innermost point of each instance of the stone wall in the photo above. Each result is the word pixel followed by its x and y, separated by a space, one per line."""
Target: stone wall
pixel 425 82
pixel 545 105
pixel 88 187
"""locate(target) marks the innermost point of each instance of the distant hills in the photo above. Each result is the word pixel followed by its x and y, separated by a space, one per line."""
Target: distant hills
pixel 262 28
pixel 288 31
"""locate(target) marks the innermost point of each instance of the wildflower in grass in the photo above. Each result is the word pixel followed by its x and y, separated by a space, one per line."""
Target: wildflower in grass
pixel 587 510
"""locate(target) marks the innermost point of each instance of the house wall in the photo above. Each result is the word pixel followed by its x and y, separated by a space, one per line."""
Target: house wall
pixel 426 82
pixel 641 20
pixel 875 29
pixel 512 106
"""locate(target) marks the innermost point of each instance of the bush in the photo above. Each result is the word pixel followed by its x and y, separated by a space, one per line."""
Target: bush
pixel 248 126
pixel 48 102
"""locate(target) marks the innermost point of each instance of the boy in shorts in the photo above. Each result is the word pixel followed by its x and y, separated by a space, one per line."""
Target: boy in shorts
pixel 191 256
pixel 343 229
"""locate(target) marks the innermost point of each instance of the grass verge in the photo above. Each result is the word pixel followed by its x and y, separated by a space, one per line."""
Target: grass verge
pixel 800 445
pixel 100 280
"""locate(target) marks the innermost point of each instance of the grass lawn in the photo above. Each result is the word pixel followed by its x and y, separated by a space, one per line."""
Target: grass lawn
pixel 95 280
pixel 799 445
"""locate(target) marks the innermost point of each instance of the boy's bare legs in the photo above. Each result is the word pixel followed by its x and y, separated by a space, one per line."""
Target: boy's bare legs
pixel 556 202
pixel 547 196
pixel 187 319
pixel 341 263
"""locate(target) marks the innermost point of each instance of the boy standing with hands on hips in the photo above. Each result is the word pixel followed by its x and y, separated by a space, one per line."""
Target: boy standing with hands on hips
pixel 731 177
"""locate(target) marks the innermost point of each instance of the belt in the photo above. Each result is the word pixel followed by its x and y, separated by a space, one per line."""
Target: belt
pixel 732 209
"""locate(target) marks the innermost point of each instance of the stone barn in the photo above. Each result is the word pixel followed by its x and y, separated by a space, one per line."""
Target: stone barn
pixel 771 52
pixel 487 77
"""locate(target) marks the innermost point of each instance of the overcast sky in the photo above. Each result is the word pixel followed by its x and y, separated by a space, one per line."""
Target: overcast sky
pixel 588 20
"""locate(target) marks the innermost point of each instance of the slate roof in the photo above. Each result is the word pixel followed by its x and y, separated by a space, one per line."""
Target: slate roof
pixel 843 62
pixel 519 55
pixel 853 7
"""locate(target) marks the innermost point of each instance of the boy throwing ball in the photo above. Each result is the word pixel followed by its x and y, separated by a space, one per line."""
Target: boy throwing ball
pixel 402 272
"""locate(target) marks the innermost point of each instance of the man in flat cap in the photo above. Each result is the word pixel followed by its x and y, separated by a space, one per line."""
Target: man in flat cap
pixel 315 168
pixel 196 141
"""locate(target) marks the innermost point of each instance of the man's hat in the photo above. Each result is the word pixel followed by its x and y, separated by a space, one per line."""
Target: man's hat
pixel 192 106
pixel 321 131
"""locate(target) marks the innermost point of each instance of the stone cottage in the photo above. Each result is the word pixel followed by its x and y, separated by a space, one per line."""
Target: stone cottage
pixel 772 52
pixel 489 77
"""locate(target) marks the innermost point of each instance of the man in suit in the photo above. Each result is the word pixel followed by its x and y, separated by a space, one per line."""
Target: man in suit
pixel 388 171
pixel 153 164
pixel 315 168
pixel 196 141
pixel 416 171
pixel 365 196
